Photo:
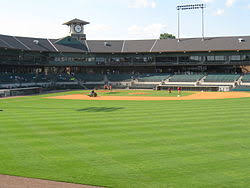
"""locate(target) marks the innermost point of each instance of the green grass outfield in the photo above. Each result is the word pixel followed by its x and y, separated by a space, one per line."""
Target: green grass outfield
pixel 200 143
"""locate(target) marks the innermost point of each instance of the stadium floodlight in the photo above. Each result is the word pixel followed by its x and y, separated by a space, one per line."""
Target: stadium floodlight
pixel 191 7
pixel 188 7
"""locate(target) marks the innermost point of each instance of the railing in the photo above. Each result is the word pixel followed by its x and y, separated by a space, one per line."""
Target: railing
pixel 141 63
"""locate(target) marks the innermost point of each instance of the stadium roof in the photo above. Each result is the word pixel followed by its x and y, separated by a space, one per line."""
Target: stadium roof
pixel 236 43
pixel 76 21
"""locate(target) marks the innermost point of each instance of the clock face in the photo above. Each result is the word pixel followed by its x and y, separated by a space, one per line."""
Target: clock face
pixel 78 28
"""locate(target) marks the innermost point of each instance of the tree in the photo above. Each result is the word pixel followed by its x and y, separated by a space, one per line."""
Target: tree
pixel 167 36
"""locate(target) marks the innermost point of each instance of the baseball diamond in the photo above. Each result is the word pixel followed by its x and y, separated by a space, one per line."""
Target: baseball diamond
pixel 124 113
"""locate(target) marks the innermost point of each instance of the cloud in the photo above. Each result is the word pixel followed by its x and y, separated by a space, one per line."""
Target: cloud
pixel 148 31
pixel 41 28
pixel 142 4
pixel 229 3
pixel 219 12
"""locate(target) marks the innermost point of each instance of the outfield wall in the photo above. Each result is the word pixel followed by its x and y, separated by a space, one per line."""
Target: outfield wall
pixel 20 91
pixel 194 88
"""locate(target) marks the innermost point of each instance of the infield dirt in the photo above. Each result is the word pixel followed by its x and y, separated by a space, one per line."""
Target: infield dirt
pixel 195 96
pixel 20 182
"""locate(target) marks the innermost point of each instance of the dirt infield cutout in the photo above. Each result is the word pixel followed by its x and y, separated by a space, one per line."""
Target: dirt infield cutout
pixel 195 96
pixel 19 182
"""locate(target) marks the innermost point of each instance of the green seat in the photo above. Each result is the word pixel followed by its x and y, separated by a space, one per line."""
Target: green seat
pixel 186 78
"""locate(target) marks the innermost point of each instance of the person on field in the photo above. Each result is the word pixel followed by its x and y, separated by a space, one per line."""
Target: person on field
pixel 93 94
pixel 169 90
pixel 179 91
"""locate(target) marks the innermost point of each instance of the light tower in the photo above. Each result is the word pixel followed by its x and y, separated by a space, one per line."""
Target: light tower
pixel 192 7
pixel 77 28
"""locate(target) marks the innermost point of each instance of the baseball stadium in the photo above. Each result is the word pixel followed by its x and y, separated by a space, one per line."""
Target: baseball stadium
pixel 124 113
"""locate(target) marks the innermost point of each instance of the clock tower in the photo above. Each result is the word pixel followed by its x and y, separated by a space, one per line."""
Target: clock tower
pixel 77 28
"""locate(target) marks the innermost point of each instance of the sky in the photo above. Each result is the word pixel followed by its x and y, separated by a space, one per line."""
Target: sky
pixel 123 19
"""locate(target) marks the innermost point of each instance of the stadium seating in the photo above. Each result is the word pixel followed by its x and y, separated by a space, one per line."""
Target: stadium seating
pixel 222 77
pixel 25 78
pixel 28 80
pixel 186 78
pixel 22 78
pixel 7 79
pixel 246 78
pixel 90 77
pixel 143 86
pixel 153 77
pixel 41 78
pixel 120 77
pixel 64 78
pixel 34 78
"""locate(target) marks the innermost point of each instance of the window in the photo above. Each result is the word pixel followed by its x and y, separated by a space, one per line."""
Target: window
pixel 245 58
pixel 90 59
pixel 138 59
pixel 100 59
pixel 184 59
pixel 127 59
pixel 166 59
pixel 220 58
pixel 195 58
pixel 210 58
pixel 57 58
pixel 235 58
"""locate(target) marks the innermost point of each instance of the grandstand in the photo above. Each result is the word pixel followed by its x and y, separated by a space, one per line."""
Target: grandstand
pixel 74 61
pixel 90 77
pixel 186 78
pixel 221 78
pixel 244 83
pixel 153 77
pixel 120 77
pixel 246 78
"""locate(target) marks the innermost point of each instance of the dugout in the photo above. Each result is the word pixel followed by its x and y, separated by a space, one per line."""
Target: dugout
pixel 20 91
pixel 194 88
